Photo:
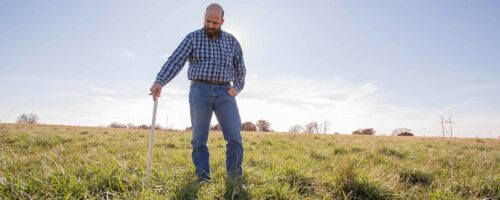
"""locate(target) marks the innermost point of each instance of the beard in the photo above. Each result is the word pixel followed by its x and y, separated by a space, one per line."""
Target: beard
pixel 212 32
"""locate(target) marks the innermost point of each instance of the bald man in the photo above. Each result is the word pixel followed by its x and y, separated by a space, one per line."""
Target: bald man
pixel 217 74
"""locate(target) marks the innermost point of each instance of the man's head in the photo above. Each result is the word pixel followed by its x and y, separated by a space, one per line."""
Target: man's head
pixel 214 18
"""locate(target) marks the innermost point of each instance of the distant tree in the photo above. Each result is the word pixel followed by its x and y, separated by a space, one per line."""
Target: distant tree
pixel 143 126
pixel 402 132
pixel 248 126
pixel 131 126
pixel 366 131
pixel 369 131
pixel 263 126
pixel 325 126
pixel 28 119
pixel 189 128
pixel 215 127
pixel 405 134
pixel 312 127
pixel 117 125
pixel 296 129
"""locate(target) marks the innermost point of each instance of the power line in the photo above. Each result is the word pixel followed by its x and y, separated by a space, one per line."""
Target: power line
pixel 491 127
pixel 10 112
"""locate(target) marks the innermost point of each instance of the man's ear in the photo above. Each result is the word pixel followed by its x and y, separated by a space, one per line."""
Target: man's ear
pixel 222 21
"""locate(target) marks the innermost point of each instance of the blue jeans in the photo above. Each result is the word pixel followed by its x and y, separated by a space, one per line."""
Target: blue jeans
pixel 205 99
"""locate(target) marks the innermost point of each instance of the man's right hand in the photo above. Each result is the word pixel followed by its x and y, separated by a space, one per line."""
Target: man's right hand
pixel 156 91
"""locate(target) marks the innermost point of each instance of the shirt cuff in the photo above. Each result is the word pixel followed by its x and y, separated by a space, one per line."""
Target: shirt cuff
pixel 238 89
pixel 160 82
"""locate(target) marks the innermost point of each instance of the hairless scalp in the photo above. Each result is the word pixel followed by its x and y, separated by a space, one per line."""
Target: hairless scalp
pixel 215 8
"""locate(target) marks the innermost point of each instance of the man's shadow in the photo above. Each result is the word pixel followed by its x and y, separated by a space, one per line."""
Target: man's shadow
pixel 189 190
pixel 236 188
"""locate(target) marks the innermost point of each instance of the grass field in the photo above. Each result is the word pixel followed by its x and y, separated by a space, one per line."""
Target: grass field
pixel 62 162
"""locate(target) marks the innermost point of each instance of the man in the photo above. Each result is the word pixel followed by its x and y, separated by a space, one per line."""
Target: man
pixel 215 61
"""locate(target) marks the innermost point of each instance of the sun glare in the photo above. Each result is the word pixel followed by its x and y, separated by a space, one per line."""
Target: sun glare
pixel 238 33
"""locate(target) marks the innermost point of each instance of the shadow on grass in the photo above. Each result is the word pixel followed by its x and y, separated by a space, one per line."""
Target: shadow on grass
pixel 354 187
pixel 304 184
pixel 363 190
pixel 391 152
pixel 236 189
pixel 415 177
pixel 189 190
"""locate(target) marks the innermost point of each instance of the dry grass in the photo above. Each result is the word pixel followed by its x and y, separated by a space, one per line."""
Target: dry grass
pixel 59 162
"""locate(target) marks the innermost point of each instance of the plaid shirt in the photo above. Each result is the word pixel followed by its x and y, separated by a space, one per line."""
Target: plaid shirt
pixel 218 59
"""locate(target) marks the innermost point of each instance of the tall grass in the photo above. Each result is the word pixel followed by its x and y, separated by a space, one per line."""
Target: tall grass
pixel 61 162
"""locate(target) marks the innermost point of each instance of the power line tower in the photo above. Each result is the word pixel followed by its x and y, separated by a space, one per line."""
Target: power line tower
pixel 447 130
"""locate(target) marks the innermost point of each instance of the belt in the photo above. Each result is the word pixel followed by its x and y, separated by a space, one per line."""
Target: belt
pixel 213 82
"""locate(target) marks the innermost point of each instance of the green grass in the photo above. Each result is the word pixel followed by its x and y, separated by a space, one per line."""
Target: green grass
pixel 61 162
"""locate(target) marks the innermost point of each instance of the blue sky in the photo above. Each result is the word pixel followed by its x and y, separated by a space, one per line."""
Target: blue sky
pixel 358 64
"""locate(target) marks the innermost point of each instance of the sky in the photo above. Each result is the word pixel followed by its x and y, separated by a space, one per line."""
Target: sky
pixel 378 64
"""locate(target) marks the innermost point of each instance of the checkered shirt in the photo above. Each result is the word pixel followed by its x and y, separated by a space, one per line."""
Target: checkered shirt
pixel 218 59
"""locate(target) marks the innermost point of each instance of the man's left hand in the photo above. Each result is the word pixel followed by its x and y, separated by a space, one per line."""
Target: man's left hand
pixel 232 91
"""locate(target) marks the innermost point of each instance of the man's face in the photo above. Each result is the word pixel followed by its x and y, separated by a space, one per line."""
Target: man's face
pixel 213 22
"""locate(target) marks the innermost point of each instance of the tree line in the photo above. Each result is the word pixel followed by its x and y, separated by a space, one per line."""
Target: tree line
pixel 395 132
pixel 311 127
pixel 261 126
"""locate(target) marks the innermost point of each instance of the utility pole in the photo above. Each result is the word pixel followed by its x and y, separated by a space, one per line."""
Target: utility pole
pixel 128 119
pixel 450 122
pixel 446 131
pixel 10 112
pixel 442 125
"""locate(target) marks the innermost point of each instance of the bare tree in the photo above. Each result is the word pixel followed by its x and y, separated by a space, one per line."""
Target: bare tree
pixel 263 126
pixel 312 127
pixel 325 126
pixel 296 129
pixel 131 126
pixel 28 119
pixel 248 126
